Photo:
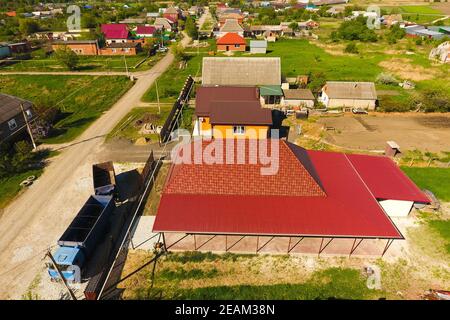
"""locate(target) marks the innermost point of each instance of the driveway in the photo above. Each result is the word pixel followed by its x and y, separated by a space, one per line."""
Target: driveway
pixel 36 219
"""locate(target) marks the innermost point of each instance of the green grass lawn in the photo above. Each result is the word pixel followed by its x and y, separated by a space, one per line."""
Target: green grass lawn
pixel 419 9
pixel 128 129
pixel 10 187
pixel 442 227
pixel 81 99
pixel 87 63
pixel 437 180
pixel 171 82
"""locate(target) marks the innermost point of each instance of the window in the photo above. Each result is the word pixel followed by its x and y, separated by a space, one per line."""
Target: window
pixel 28 113
pixel 12 124
pixel 238 129
pixel 237 45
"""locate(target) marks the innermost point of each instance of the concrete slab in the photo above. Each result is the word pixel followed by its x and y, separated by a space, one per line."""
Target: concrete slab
pixel 142 235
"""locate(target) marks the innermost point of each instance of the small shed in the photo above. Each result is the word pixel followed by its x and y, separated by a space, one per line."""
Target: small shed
pixel 392 149
pixel 5 51
pixel 258 46
pixel 298 98
pixel 270 94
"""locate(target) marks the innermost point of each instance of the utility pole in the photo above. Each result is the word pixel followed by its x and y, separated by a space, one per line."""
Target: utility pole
pixel 126 66
pixel 72 295
pixel 28 126
pixel 157 96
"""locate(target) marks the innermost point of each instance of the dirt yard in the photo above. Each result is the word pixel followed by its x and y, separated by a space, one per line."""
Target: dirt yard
pixel 370 132
pixel 403 68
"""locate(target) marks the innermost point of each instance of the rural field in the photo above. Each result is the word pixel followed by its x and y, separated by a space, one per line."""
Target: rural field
pixel 42 63
pixel 79 100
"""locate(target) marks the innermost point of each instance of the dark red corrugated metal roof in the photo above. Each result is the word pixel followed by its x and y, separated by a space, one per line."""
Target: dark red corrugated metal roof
pixel 206 95
pixel 349 209
pixel 385 180
pixel 115 31
pixel 240 113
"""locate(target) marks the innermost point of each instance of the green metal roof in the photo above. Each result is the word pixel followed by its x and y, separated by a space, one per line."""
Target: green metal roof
pixel 270 91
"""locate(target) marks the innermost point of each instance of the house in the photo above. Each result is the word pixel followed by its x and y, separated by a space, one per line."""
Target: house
pixel 145 31
pixel 11 14
pixel 121 48
pixel 271 36
pixel 297 99
pixel 115 32
pixel 163 23
pixel 153 15
pixel 172 14
pixel 241 71
pixel 441 53
pixel 241 202
pixel 12 121
pixel 391 19
pixel 20 47
pixel 343 94
pixel 418 31
pixel 230 112
pixel 80 47
pixel 231 42
pixel 230 16
pixel 258 46
pixel 231 26
pixel 5 51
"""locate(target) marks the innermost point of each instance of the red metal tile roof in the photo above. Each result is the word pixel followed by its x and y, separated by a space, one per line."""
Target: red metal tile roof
pixel 115 31
pixel 243 179
pixel 145 30
pixel 197 201
pixel 231 38
pixel 385 180
pixel 206 95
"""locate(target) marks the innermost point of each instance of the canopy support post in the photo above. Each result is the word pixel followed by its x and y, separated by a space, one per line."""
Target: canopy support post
pixel 289 248
pixel 354 247
pixel 326 245
pixel 388 244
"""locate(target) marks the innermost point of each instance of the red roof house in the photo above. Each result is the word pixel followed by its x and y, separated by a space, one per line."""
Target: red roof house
pixel 231 42
pixel 115 31
pixel 145 31
pixel 11 14
pixel 312 194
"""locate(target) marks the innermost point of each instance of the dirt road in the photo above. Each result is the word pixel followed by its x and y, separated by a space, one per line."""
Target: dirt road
pixel 37 218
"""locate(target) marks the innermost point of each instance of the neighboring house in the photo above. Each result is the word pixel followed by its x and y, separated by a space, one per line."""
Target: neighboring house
pixel 241 71
pixel 116 49
pixel 163 23
pixel 231 26
pixel 271 36
pixel 231 42
pixel 317 197
pixel 342 94
pixel 230 16
pixel 80 47
pixel 258 46
pixel 153 15
pixel 12 121
pixel 441 53
pixel 172 13
pixel 298 98
pixel 391 19
pixel 11 14
pixel 230 112
pixel 418 31
pixel 115 33
pixel 145 31
pixel 5 51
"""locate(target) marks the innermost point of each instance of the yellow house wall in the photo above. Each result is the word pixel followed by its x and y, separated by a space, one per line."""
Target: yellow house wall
pixel 206 125
pixel 252 132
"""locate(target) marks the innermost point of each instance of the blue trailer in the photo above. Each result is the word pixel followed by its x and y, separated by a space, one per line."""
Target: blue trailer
pixel 78 242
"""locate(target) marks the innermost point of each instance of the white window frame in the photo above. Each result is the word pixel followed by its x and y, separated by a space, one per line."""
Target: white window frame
pixel 29 113
pixel 239 130
pixel 12 124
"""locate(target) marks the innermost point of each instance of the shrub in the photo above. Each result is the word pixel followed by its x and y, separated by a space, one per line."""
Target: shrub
pixel 351 48
pixel 386 78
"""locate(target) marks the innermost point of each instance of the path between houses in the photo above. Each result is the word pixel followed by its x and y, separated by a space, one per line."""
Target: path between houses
pixel 36 219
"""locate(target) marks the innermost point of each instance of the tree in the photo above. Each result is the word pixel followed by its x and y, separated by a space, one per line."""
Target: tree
pixel 357 30
pixel 191 28
pixel 178 51
pixel 293 26
pixel 67 57
pixel 27 27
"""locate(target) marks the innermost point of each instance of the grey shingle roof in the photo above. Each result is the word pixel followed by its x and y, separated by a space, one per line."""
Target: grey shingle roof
pixel 10 106
pixel 231 25
pixel 350 90
pixel 258 44
pixel 298 94
pixel 241 71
